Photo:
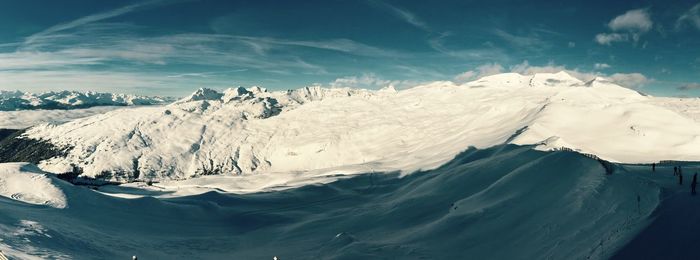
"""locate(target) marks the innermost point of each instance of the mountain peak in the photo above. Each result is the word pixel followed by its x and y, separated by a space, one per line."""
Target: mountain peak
pixel 203 94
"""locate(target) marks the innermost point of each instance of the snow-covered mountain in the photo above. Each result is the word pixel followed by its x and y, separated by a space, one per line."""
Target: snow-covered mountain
pixel 321 130
pixel 18 100
pixel 538 205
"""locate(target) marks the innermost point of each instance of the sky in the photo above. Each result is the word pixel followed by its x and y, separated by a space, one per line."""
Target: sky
pixel 173 47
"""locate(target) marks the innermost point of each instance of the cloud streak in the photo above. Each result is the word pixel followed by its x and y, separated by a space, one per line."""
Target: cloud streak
pixel 530 41
pixel 691 17
pixel 402 14
pixel 93 18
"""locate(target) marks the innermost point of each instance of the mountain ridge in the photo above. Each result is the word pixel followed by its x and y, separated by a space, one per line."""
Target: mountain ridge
pixel 242 131
pixel 19 100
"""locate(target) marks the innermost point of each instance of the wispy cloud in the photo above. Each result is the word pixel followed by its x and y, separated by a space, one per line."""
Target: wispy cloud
pixel 402 14
pixel 88 41
pixel 93 18
pixel 531 41
pixel 88 47
pixel 340 45
pixel 436 40
pixel 94 51
pixel 490 53
pixel 690 17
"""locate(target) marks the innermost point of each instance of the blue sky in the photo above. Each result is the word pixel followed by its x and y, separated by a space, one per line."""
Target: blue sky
pixel 171 47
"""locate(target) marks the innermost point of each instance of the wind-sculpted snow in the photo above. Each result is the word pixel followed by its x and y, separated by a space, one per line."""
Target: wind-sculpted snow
pixel 311 130
pixel 25 182
pixel 505 202
pixel 18 100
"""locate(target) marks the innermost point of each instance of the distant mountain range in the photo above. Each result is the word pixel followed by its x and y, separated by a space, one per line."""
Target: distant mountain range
pixel 19 100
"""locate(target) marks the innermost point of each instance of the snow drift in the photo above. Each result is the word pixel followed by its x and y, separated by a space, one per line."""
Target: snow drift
pixel 25 182
pixel 244 131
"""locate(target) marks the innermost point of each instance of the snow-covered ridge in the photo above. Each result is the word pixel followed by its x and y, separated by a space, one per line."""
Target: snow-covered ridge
pixel 318 130
pixel 18 100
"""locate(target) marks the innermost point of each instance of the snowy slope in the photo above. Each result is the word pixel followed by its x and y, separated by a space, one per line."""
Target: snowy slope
pixel 25 182
pixel 317 130
pixel 18 100
pixel 478 205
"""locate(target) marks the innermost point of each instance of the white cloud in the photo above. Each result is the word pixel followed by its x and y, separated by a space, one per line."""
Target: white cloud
pixel 691 17
pixel 637 20
pixel 630 25
pixel 600 66
pixel 479 72
pixel 608 38
pixel 572 44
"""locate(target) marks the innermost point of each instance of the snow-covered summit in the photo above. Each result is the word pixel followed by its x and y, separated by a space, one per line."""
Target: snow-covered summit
pixel 18 100
pixel 559 79
pixel 243 131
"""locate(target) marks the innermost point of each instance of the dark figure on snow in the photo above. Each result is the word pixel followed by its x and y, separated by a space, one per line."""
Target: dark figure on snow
pixel 675 170
pixel 680 178
pixel 653 167
pixel 694 183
